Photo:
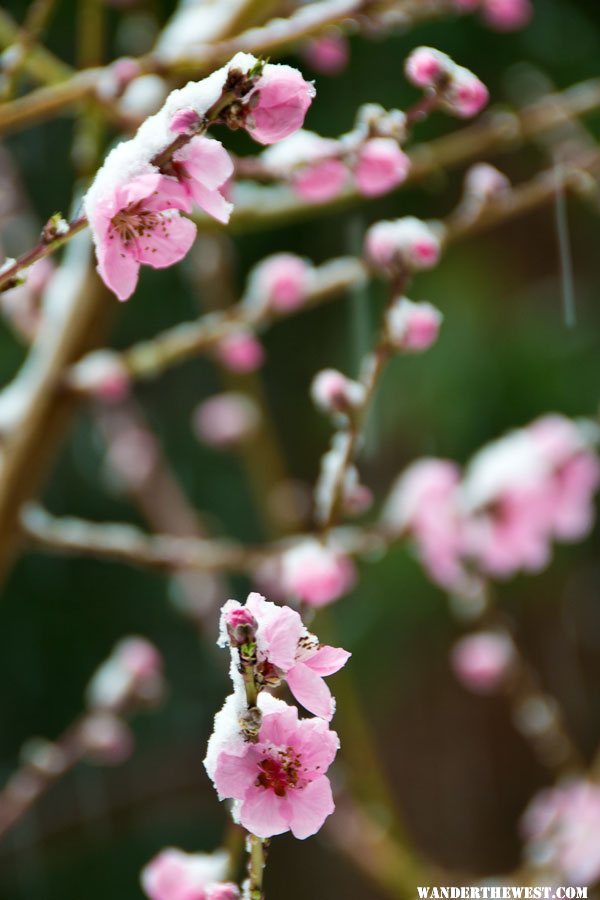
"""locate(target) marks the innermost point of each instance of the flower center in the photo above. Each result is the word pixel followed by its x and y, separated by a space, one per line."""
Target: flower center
pixel 135 222
pixel 279 772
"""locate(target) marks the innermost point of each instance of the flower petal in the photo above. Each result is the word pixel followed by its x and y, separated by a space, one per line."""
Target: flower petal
pixel 211 201
pixel 310 690
pixel 310 806
pixel 235 774
pixel 264 813
pixel 206 161
pixel 117 266
pixel 167 243
pixel 328 660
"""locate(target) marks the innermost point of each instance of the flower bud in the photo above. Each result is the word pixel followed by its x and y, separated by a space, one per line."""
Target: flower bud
pixel 281 281
pixel 226 420
pixel 241 352
pixel 328 53
pixel 507 15
pixel 241 626
pixel 106 739
pixel 412 326
pixel 406 244
pixel 101 374
pixel 465 95
pixel 482 661
pixel 278 104
pixel 381 166
pixel 185 121
pixel 332 392
pixel 131 675
pixel 426 67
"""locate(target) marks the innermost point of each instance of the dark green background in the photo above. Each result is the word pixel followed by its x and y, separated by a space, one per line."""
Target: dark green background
pixel 459 773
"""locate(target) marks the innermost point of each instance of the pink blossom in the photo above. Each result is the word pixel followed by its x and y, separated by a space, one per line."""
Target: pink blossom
pixel 106 739
pixel 241 352
pixel 381 166
pixel 562 828
pixel 412 327
pixel 481 661
pixel 283 281
pixel 203 168
pixel 332 392
pixel 426 66
pixel 139 224
pixel 424 503
pixel 507 15
pixel 175 875
pixel 319 182
pixel 279 782
pixel 286 650
pixel 465 95
pixel 315 573
pixel 278 104
pixel 184 121
pixel 328 53
pixel 101 374
pixel 226 419
pixel 407 242
pixel 133 671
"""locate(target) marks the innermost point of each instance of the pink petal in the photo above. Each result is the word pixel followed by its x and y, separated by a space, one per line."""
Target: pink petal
pixel 316 745
pixel 211 201
pixel 206 161
pixel 138 189
pixel 310 807
pixel 117 267
pixel 280 638
pixel 264 813
pixel 310 690
pixel 328 660
pixel 276 726
pixel 164 247
pixel 235 774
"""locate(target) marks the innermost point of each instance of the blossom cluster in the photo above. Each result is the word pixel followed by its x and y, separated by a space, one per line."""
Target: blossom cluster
pixel 169 167
pixel 517 495
pixel 262 755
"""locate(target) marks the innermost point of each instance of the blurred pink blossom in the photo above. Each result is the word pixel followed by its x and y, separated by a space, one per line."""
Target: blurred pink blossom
pixel 282 280
pixel 381 166
pixel 412 327
pixel 507 15
pixel 175 875
pixel 226 419
pixel 241 352
pixel 481 661
pixel 315 573
pixel 328 53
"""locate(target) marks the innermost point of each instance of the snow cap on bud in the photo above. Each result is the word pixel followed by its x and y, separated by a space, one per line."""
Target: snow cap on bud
pixel 241 626
pixel 281 281
pixel 332 392
pixel 184 121
pixel 131 675
pixel 106 739
pixel 102 375
pixel 426 67
pixel 484 182
pixel 465 95
pixel 412 326
pixel 226 419
pixel 406 243
pixel 507 15
pixel 241 352
pixel 481 661
pixel 278 104
pixel 381 166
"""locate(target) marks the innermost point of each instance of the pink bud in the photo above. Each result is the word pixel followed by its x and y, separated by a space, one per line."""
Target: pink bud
pixel 412 326
pixel 425 67
pixel 331 391
pixel 282 280
pixel 381 167
pixel 320 181
pixel 226 420
pixel 406 243
pixel 466 95
pixel 507 15
pixel 279 103
pixel 316 574
pixel 184 121
pixel 241 352
pixel 131 674
pixel 482 661
pixel 328 53
pixel 101 374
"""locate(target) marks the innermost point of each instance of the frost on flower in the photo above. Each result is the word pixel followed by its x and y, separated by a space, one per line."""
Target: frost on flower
pixel 286 650
pixel 175 875
pixel 405 244
pixel 562 829
pixel 279 783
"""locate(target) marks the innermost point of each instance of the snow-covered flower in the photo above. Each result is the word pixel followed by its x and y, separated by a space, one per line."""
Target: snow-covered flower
pixel 281 281
pixel 278 782
pixel 132 673
pixel 407 243
pixel 562 828
pixel 285 650
pixel 426 66
pixel 333 392
pixel 139 224
pixel 175 875
pixel 381 166
pixel 412 327
pixel 481 661
pixel 203 167
pixel 460 92
pixel 312 163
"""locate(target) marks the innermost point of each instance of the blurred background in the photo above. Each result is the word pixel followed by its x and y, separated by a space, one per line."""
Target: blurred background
pixel 455 768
